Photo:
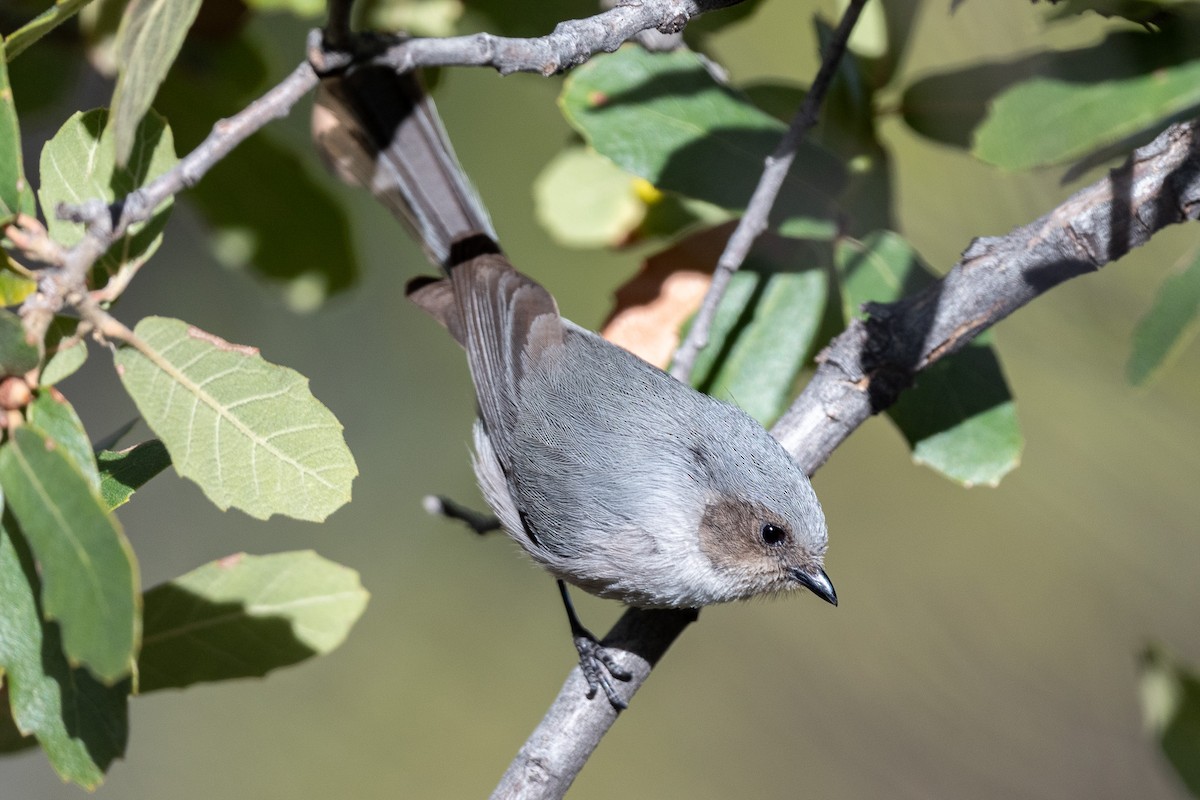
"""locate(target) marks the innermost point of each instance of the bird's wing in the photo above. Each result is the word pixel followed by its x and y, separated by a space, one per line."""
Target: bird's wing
pixel 509 322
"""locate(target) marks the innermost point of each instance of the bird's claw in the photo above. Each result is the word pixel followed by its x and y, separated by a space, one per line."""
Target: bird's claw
pixel 599 667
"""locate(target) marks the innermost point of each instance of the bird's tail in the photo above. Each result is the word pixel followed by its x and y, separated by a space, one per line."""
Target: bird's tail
pixel 381 130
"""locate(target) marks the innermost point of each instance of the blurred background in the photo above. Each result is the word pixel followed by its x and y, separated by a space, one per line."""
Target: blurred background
pixel 987 641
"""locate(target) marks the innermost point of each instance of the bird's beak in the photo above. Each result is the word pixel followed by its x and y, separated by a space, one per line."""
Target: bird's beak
pixel 817 582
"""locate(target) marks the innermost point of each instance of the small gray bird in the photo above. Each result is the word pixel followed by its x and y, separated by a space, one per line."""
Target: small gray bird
pixel 611 474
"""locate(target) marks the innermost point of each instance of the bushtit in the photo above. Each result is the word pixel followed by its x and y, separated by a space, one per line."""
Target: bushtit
pixel 611 474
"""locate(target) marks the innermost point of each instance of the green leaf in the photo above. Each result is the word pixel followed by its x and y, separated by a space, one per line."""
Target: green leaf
pixel 1171 706
pixel 17 356
pixel 15 195
pixel 244 616
pixel 882 268
pixel 764 327
pixel 87 567
pixel 125 471
pixel 51 414
pixel 291 230
pixel 14 287
pixel 81 724
pixel 151 33
pixel 77 165
pixel 585 200
pixel 959 418
pixel 62 362
pixel 1051 121
pixel 62 10
pixel 663 117
pixel 1168 326
pixel 951 107
pixel 247 431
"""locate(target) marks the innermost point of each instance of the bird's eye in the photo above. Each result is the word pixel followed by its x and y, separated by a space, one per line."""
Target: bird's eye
pixel 772 534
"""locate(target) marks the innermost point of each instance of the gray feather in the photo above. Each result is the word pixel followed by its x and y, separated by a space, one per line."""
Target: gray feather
pixel 379 129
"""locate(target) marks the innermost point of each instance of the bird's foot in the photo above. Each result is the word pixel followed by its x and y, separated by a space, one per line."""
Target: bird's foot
pixel 599 668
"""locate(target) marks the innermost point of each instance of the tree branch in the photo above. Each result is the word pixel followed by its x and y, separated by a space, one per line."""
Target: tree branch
pixel 652 39
pixel 572 43
pixel 866 368
pixel 573 726
pixel 754 221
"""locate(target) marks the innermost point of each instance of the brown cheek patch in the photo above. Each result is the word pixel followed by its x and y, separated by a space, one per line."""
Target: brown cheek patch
pixel 729 534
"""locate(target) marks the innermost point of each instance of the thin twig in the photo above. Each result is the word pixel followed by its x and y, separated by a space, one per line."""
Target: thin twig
pixel 870 364
pixel 754 221
pixel 476 521
pixel 572 43
pixel 28 235
pixel 111 328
